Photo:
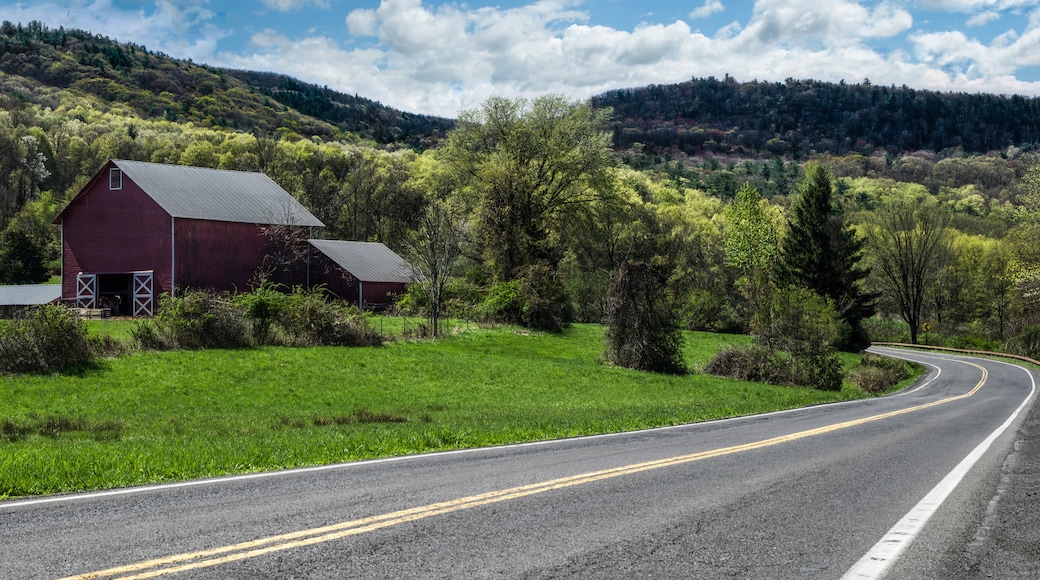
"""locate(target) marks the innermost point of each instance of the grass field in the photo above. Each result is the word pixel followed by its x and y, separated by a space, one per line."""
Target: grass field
pixel 160 416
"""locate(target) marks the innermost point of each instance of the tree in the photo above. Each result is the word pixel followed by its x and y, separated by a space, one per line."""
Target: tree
pixel 21 260
pixel 526 161
pixel 907 238
pixel 641 329
pixel 822 252
pixel 433 250
pixel 752 245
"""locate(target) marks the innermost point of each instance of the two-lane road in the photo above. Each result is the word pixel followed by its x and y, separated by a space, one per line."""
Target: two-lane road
pixel 820 492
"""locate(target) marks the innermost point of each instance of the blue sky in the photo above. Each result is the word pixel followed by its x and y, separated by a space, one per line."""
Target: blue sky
pixel 437 57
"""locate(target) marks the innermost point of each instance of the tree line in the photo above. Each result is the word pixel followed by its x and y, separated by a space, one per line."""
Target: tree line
pixel 526 213
pixel 801 118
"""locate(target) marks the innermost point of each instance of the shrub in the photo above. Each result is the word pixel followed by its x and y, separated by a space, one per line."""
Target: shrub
pixel 877 374
pixel 969 342
pixel 799 321
pixel 503 303
pixel 196 319
pixel 308 319
pixel 47 338
pixel 544 303
pixel 642 333
pixel 1027 343
pixel 263 307
pixel 761 364
pixel 883 330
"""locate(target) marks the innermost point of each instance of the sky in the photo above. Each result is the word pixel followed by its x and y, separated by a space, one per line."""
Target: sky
pixel 440 57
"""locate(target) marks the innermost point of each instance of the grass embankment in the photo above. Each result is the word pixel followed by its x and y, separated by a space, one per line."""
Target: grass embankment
pixel 159 416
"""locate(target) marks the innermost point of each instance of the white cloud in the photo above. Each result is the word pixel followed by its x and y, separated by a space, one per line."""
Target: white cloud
pixel 292 5
pixel 710 7
pixel 983 18
pixel 803 23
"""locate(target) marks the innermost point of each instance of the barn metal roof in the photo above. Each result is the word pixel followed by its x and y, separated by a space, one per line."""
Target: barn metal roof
pixel 29 294
pixel 366 261
pixel 217 194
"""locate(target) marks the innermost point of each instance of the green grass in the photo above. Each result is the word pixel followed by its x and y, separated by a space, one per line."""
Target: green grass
pixel 150 416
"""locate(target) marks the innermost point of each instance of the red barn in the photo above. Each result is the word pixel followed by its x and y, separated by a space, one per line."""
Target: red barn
pixel 139 229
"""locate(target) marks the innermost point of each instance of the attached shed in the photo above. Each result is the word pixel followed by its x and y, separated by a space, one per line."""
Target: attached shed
pixel 374 273
pixel 137 230
pixel 15 298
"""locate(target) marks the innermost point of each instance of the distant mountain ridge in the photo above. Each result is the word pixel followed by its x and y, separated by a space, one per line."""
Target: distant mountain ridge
pixel 700 117
pixel 158 86
pixel 802 117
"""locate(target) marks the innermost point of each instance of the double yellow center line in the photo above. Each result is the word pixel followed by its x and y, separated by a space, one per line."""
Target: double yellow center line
pixel 263 546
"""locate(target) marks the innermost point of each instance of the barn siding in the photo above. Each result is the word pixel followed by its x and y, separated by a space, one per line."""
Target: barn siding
pixel 219 255
pixel 106 231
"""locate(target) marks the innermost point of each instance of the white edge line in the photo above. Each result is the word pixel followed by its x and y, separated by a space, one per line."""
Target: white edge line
pixel 11 504
pixel 880 558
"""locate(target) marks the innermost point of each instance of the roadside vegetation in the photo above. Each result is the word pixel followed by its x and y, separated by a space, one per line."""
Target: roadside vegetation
pixel 152 416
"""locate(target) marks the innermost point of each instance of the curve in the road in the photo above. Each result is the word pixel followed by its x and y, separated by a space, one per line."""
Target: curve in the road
pixel 263 546
pixel 876 562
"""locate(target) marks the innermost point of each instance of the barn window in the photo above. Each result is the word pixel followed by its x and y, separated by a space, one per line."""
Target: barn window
pixel 115 178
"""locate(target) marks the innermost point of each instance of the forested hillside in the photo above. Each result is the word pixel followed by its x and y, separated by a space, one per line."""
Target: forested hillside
pixel 803 117
pixel 701 213
pixel 157 86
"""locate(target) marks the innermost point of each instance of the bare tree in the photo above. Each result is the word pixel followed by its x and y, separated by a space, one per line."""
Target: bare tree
pixel 909 240
pixel 433 251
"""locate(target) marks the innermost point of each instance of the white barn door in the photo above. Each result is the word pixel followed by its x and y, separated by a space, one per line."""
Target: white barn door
pixel 86 290
pixel 144 299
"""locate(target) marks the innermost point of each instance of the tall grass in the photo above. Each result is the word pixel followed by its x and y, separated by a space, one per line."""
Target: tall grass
pixel 160 416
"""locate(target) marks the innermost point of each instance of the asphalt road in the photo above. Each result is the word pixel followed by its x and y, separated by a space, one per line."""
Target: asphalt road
pixel 809 493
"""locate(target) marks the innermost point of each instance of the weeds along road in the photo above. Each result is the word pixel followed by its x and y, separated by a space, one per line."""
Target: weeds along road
pixel 809 493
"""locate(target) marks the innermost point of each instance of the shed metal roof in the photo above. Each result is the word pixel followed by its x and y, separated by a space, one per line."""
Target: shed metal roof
pixel 217 194
pixel 366 261
pixel 29 294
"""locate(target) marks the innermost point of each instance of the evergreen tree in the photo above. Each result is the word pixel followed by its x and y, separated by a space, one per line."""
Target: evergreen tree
pixel 822 252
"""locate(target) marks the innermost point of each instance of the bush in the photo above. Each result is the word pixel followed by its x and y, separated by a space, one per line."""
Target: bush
pixel 196 319
pixel 503 303
pixel 1027 343
pixel 48 338
pixel 642 333
pixel 969 342
pixel 544 303
pixel 308 319
pixel 877 374
pixel 883 330
pixel 761 364
pixel 263 306
pixel 799 321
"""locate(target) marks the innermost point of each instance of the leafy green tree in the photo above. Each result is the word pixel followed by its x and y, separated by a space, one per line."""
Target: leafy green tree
pixel 21 260
pixel 822 252
pixel 752 245
pixel 526 161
